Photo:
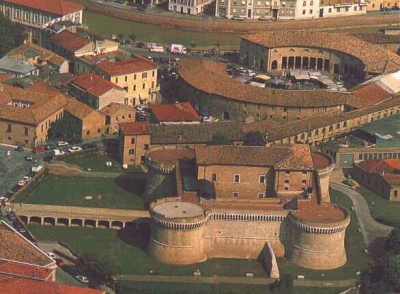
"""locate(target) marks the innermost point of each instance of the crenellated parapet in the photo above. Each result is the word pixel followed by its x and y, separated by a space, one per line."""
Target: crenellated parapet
pixel 163 168
pixel 249 217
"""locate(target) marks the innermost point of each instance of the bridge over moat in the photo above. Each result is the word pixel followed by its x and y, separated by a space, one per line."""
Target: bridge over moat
pixel 71 216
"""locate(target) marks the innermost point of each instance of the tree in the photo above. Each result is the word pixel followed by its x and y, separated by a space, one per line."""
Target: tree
pixel 11 34
pixel 220 139
pixel 93 264
pixel 391 272
pixel 132 37
pixel 121 37
pixel 67 127
pixel 393 241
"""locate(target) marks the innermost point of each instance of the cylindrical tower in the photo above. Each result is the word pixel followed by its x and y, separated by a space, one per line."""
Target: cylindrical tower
pixel 317 237
pixel 161 178
pixel 323 164
pixel 177 232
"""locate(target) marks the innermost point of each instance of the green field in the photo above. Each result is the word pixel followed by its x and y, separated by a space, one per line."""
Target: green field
pixel 101 24
pixel 123 192
pixel 96 163
pixel 382 210
pixel 125 249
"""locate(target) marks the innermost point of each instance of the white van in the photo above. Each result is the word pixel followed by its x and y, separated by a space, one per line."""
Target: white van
pixel 57 152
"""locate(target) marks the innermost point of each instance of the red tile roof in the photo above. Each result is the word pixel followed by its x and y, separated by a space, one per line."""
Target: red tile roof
pixel 177 112
pixel 321 160
pixel 58 7
pixel 26 286
pixel 387 168
pixel 134 128
pixel 368 95
pixel 25 270
pixel 94 84
pixel 69 41
pixel 136 64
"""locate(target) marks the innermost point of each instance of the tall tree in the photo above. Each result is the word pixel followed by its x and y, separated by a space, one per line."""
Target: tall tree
pixel 393 241
pixel 11 34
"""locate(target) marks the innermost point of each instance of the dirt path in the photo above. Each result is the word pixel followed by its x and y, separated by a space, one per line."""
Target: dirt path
pixel 221 25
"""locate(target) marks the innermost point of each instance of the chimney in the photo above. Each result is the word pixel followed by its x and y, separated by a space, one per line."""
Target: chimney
pixel 1 87
pixel 91 78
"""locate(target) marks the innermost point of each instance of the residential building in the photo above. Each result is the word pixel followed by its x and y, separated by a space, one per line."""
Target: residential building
pixel 18 68
pixel 135 74
pixel 36 15
pixel 95 91
pixel 377 5
pixel 381 176
pixel 192 7
pixel 117 113
pixel 176 113
pixel 134 141
pixel 288 9
pixel 46 60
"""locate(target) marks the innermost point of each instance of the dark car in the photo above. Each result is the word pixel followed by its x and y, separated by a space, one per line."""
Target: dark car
pixel 11 216
pixel 75 141
pixel 20 148
pixel 89 146
pixel 395 7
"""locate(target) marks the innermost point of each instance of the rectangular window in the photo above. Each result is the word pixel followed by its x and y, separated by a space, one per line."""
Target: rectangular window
pixel 287 181
pixel 153 73
pixel 132 140
pixel 116 80
pixel 126 89
pixel 286 189
pixel 26 131
pixel 134 87
pixel 152 84
pixel 134 76
pixel 9 128
pixel 261 195
pixel 144 85
pixel 261 179
pixel 235 194
pixel 287 172
pixel 236 178
pixel 395 193
pixel 146 146
pixel 304 181
pixel 131 151
pixel 126 78
pixel 214 177
pixel 304 3
pixel 144 75
pixel 126 101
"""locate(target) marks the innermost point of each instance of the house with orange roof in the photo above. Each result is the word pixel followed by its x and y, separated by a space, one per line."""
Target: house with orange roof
pixel 117 113
pixel 95 91
pixel 176 113
pixel 134 141
pixel 381 176
pixel 36 15
pixel 135 74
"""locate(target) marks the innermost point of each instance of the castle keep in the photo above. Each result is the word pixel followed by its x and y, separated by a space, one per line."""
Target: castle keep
pixel 244 202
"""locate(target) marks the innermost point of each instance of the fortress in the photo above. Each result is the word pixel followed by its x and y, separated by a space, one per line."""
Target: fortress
pixel 244 202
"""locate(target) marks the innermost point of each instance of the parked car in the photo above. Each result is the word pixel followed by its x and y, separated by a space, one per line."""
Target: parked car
pixel 75 141
pixel 59 262
pixel 74 149
pixel 21 183
pixel 264 18
pixel 82 279
pixel 39 149
pixel 210 119
pixel 20 148
pixel 57 152
pixel 395 7
pixel 3 200
pixel 62 143
pixel 27 178
pixel 250 73
pixel 50 147
pixel 11 216
pixel 51 254
pixel 37 168
pixel 29 158
pixel 238 18
pixel 89 146
pixel 22 230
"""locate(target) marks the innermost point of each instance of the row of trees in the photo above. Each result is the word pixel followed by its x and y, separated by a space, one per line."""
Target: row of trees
pixel 11 34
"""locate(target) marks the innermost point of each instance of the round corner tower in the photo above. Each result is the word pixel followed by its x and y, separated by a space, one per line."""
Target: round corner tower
pixel 177 232
pixel 161 178
pixel 317 237
pixel 323 165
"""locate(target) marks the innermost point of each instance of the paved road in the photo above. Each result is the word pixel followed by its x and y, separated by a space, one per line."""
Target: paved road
pixel 370 228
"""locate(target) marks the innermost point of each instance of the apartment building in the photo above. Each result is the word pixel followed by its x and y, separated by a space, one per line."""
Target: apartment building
pixel 192 7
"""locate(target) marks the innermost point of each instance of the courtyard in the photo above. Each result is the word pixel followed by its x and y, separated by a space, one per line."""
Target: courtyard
pixel 121 192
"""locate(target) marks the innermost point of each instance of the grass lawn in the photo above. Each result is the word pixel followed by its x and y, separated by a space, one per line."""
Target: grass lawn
pixel 65 278
pixel 125 249
pixel 357 260
pixel 382 210
pixel 96 162
pixel 122 192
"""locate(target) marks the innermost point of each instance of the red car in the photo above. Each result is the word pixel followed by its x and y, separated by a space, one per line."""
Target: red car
pixel 59 262
pixel 39 149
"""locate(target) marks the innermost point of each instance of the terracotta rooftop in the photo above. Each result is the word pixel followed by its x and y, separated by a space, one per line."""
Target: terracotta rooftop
pixel 93 84
pixel 377 166
pixel 134 128
pixel 79 109
pixel 170 155
pixel 211 77
pixel 25 270
pixel 196 133
pixel 114 108
pixel 118 63
pixel 176 112
pixel 376 58
pixel 16 285
pixel 281 157
pixel 42 104
pixel 367 95
pixel 323 120
pixel 59 7
pixel 321 160
pixel 323 213
pixel 69 41
pixel 14 247
pixel 30 50
pixel 378 38
pixel 392 179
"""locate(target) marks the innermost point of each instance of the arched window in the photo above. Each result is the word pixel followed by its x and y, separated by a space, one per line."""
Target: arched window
pixel 274 64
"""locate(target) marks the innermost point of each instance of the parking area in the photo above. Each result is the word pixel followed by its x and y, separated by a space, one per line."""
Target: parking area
pixel 14 166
